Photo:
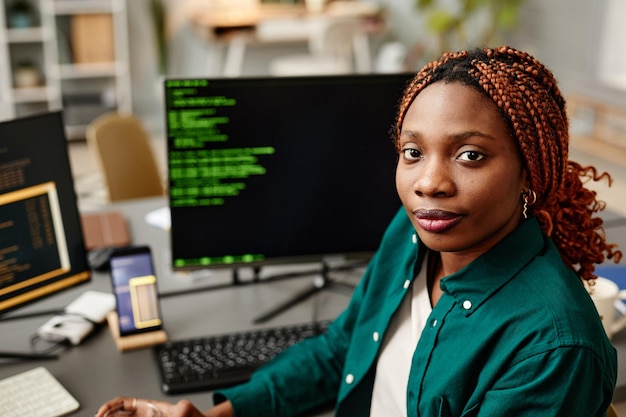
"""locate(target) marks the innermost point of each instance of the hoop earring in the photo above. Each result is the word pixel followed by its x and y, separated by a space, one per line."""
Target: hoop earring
pixel 527 201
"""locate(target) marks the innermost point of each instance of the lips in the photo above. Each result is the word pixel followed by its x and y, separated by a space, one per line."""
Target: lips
pixel 436 221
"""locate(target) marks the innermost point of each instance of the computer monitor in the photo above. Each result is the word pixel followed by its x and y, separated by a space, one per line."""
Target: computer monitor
pixel 41 242
pixel 275 170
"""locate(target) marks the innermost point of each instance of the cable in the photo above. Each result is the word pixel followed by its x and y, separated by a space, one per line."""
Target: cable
pixel 36 339
pixel 31 315
pixel 26 356
pixel 61 331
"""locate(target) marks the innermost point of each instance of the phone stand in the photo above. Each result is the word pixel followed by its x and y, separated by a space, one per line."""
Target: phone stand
pixel 134 341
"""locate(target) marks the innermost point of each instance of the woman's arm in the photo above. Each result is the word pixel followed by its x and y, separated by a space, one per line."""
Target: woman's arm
pixel 224 409
pixel 569 381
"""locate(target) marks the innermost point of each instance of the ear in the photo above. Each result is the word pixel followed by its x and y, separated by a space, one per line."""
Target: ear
pixel 525 179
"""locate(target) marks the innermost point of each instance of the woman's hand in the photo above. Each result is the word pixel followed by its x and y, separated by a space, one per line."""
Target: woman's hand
pixel 134 407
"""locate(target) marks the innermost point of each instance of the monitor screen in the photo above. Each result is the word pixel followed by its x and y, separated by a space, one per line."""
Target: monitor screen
pixel 280 169
pixel 41 241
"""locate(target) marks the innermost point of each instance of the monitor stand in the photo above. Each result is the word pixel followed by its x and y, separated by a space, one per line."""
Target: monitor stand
pixel 320 283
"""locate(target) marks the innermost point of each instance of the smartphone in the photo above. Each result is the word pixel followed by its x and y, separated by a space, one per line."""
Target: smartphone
pixel 135 288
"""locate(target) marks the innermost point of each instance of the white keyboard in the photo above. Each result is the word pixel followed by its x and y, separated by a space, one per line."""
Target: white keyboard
pixel 35 393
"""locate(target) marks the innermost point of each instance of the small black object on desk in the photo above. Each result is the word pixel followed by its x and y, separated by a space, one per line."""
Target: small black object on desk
pixel 26 356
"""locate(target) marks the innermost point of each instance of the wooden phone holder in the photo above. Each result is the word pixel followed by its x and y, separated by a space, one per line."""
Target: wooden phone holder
pixel 134 341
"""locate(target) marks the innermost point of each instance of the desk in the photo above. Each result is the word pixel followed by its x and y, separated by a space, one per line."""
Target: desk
pixel 95 371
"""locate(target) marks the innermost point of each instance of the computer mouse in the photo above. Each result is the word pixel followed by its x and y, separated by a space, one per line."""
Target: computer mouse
pixel 98 258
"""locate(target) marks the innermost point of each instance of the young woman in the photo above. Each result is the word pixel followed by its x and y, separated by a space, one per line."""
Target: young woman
pixel 474 303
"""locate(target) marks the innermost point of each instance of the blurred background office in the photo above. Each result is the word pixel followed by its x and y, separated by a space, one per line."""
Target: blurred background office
pixel 95 56
pixel 579 40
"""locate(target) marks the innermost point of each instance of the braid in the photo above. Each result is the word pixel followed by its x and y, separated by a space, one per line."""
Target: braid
pixel 531 104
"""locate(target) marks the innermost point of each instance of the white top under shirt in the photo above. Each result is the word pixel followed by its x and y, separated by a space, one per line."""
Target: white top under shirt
pixel 394 360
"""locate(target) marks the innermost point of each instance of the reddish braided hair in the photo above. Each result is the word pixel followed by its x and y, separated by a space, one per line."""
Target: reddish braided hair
pixel 531 104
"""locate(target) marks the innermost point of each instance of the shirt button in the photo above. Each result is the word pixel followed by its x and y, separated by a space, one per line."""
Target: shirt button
pixel 434 323
pixel 414 238
pixel 467 304
pixel 349 379
pixel 406 284
pixel 376 336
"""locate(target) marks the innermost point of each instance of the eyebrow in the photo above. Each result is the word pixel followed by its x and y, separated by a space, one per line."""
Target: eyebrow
pixel 457 137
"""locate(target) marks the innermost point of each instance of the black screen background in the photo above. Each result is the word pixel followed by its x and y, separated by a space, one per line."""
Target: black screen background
pixel 329 187
pixel 40 140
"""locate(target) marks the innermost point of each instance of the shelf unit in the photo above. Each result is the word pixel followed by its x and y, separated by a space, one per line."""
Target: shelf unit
pixel 27 42
pixel 83 88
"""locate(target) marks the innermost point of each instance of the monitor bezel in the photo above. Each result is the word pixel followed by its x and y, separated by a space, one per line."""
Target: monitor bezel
pixel 27 294
pixel 348 257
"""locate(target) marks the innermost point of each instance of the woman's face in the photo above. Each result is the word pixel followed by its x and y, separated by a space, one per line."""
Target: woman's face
pixel 459 172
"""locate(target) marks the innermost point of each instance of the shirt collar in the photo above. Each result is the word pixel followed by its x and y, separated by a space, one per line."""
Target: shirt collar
pixel 475 283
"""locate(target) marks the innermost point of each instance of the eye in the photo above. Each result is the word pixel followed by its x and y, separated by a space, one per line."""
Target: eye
pixel 411 154
pixel 471 156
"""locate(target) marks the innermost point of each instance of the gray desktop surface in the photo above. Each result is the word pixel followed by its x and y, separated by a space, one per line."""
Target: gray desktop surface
pixel 96 371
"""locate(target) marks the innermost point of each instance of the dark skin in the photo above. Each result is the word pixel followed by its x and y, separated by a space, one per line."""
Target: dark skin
pixel 460 177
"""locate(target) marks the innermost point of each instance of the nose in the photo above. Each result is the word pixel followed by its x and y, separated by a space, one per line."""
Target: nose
pixel 434 179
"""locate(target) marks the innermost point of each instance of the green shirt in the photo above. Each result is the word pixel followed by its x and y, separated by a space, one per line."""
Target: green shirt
pixel 514 334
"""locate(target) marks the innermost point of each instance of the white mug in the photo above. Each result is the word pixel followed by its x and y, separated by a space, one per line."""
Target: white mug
pixel 605 293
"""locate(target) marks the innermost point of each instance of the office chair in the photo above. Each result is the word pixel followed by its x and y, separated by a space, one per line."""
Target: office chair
pixel 331 45
pixel 122 146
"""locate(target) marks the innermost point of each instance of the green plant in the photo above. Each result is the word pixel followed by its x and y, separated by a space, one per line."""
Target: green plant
pixel 470 23
pixel 21 14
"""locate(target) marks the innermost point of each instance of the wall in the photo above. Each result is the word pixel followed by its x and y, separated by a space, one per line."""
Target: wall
pixel 143 61
pixel 563 34
pixel 568 36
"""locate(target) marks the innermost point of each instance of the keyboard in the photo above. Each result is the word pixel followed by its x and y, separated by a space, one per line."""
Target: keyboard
pixel 35 393
pixel 208 363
